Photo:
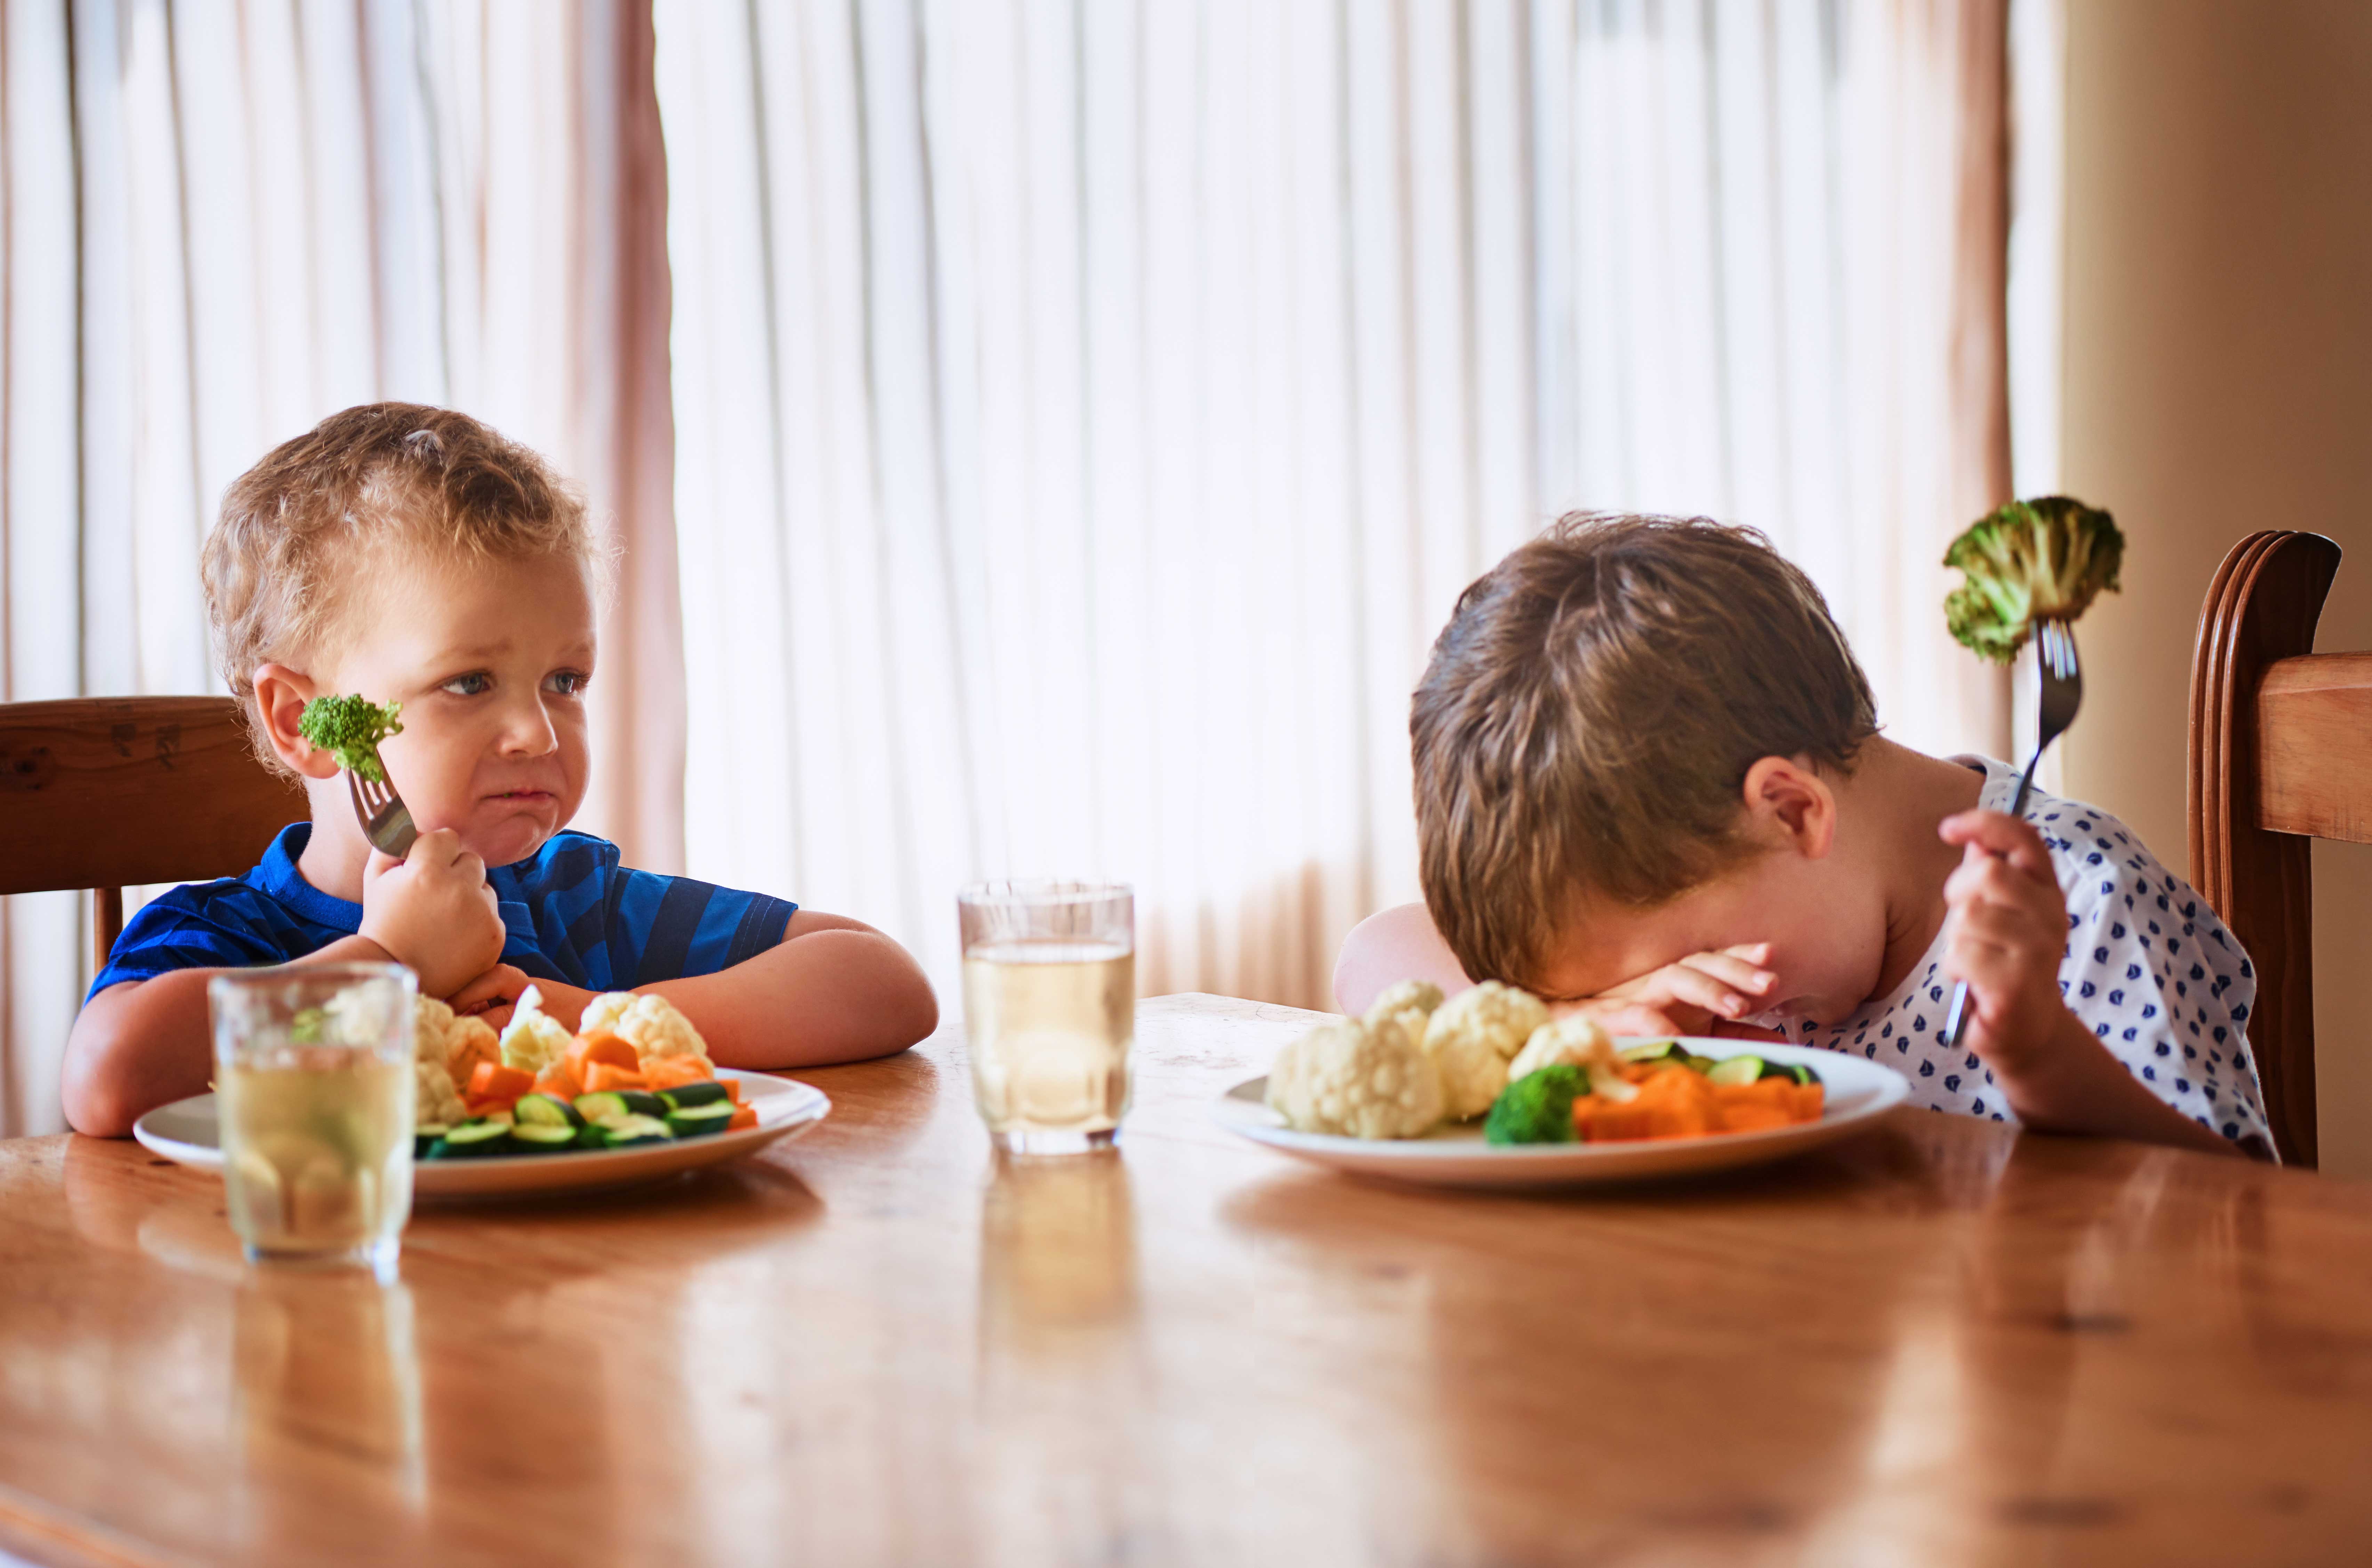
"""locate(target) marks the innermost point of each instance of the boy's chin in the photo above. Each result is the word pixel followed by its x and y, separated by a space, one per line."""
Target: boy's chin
pixel 508 842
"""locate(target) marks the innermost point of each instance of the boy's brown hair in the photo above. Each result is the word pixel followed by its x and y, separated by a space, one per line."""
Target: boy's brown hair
pixel 301 526
pixel 1585 725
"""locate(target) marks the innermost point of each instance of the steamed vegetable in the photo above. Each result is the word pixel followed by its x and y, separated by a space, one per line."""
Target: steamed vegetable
pixel 1537 1107
pixel 350 728
pixel 1473 1036
pixel 2041 560
pixel 1357 1081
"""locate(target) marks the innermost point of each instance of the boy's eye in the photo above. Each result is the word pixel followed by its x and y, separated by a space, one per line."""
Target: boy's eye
pixel 568 682
pixel 474 684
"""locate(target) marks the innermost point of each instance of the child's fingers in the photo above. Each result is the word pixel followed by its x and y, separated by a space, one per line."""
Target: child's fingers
pixel 1983 879
pixel 1679 983
pixel 1732 970
pixel 1997 925
pixel 1997 833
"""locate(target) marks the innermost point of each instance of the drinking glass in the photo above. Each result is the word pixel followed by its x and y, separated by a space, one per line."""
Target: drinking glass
pixel 1050 1005
pixel 313 1082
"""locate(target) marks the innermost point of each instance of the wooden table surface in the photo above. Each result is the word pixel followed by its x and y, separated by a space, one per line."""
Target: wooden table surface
pixel 1941 1343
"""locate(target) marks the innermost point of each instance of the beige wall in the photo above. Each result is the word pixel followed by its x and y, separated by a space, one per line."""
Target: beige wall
pixel 2218 379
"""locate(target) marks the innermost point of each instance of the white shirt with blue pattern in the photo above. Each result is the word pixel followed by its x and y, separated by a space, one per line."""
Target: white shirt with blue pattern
pixel 2150 969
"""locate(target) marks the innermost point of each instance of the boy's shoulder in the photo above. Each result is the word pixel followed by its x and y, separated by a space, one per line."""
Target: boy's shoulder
pixel 269 916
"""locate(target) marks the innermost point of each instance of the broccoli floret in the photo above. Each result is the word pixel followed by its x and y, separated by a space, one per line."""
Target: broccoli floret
pixel 2041 560
pixel 350 728
pixel 1537 1108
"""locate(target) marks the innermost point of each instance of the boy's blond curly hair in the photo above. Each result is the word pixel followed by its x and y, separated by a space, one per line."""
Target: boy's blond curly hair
pixel 1584 729
pixel 302 526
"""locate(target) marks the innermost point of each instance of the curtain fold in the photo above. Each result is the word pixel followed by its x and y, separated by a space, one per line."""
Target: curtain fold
pixel 1089 412
pixel 228 218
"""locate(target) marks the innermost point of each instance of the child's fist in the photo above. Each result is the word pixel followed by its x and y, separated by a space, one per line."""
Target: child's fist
pixel 434 912
pixel 2009 932
pixel 1684 998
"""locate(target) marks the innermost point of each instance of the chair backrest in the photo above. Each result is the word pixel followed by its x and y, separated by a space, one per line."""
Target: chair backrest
pixel 107 792
pixel 2280 755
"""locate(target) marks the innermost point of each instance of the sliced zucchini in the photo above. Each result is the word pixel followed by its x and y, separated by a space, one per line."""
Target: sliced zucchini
pixel 472 1140
pixel 707 1091
pixel 425 1138
pixel 1801 1073
pixel 639 1103
pixel 593 1108
pixel 693 1121
pixel 1736 1069
pixel 1701 1064
pixel 549 1110
pixel 626 1130
pixel 1656 1050
pixel 542 1137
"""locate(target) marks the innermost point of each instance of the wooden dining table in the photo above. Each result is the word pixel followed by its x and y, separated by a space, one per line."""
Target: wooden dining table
pixel 1942 1341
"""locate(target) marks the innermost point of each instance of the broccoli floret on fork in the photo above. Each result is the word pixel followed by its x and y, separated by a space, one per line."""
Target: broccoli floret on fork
pixel 350 728
pixel 2041 560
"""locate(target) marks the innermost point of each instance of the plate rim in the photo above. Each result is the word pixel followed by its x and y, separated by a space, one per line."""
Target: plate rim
pixel 1888 1090
pixel 813 1106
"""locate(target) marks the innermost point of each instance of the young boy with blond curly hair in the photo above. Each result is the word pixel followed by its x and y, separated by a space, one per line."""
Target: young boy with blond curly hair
pixel 412 555
pixel 1650 786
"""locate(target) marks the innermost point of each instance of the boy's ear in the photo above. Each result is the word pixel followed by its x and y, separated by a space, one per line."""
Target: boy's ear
pixel 1791 804
pixel 281 694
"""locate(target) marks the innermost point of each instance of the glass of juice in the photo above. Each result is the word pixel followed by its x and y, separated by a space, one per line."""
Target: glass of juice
pixel 313 1087
pixel 1050 1006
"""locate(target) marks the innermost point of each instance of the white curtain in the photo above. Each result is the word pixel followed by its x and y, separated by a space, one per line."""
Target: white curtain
pixel 226 218
pixel 1087 413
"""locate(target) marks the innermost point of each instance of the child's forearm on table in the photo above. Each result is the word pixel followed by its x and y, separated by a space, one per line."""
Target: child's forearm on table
pixel 148 1042
pixel 831 995
pixel 2078 1086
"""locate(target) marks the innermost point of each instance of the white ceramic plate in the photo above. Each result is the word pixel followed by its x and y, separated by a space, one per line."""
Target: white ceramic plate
pixel 188 1132
pixel 1857 1093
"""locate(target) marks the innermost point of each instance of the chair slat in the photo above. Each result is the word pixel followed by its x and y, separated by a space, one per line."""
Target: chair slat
pixel 114 792
pixel 2314 747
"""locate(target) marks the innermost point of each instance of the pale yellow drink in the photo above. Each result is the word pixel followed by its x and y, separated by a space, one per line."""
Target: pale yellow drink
pixel 317 1146
pixel 1051 1025
pixel 314 1090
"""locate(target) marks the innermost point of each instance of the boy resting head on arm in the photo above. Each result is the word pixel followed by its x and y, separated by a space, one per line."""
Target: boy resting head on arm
pixel 412 555
pixel 1650 787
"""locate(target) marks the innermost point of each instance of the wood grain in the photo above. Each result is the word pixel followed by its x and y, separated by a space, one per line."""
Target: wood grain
pixel 2260 610
pixel 1943 1343
pixel 107 793
pixel 2314 747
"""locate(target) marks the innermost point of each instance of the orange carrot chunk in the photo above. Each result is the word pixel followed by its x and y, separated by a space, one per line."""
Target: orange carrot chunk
pixel 600 1077
pixel 492 1080
pixel 674 1072
pixel 561 1079
pixel 743 1120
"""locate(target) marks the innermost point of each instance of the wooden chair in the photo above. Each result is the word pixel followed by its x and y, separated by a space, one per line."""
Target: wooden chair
pixel 2280 755
pixel 107 793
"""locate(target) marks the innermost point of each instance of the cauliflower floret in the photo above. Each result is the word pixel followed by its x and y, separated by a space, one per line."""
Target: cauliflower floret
pixel 435 1101
pixel 1410 1002
pixel 1472 1037
pixel 535 1040
pixel 1581 1042
pixel 648 1023
pixel 441 1037
pixel 1359 1079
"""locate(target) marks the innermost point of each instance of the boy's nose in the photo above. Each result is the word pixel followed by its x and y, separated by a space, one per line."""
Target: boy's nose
pixel 530 732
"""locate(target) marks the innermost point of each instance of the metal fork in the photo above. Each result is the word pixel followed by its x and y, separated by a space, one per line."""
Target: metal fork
pixel 387 821
pixel 2060 677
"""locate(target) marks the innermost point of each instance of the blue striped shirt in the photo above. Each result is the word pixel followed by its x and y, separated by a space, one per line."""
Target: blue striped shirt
pixel 570 914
